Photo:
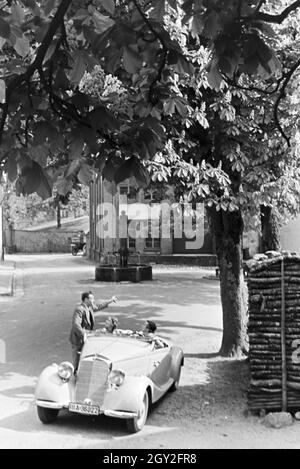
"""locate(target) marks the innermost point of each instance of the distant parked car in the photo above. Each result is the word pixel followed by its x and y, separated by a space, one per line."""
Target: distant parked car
pixel 78 243
pixel 118 376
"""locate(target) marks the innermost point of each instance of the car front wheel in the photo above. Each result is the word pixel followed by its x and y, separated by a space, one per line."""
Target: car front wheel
pixel 136 424
pixel 47 415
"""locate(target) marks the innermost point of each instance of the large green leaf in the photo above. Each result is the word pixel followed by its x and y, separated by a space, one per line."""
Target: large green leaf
pixel 4 28
pixel 102 118
pixel 111 167
pixel 32 4
pixel 11 167
pixel 141 175
pixel 169 106
pixel 263 51
pixel 33 179
pixel 214 78
pixel 2 91
pixel 18 13
pixel 61 80
pixel 197 24
pixel 126 170
pixel 22 46
pixel 132 60
pixel 73 168
pixel 212 25
pixel 133 167
pixel 64 186
pixel 76 147
pixel 78 68
pixel 85 174
pixel 44 131
pixel 48 7
pixel 46 186
pixel 183 66
pixel 80 100
pixel 102 22
pixel 159 10
pixel 100 163
pixel 39 154
pixel 109 5
pixel 2 42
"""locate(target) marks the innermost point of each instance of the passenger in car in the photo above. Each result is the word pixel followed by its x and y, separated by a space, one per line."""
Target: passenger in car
pixel 149 333
pixel 110 325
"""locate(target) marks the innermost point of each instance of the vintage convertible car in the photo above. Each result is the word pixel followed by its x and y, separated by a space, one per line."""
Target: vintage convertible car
pixel 118 376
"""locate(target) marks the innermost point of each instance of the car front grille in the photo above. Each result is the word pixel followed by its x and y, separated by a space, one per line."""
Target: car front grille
pixel 91 381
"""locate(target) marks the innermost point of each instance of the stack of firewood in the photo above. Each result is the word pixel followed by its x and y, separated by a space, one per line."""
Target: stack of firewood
pixel 274 331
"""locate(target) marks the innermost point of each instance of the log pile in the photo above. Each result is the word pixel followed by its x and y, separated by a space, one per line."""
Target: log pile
pixel 274 331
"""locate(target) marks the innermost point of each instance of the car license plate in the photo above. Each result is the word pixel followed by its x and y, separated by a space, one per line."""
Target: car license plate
pixel 84 408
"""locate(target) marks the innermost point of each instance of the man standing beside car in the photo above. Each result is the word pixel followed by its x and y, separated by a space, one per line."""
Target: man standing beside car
pixel 83 321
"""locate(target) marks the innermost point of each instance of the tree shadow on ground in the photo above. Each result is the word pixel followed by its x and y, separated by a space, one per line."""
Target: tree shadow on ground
pixel 134 317
pixel 48 341
pixel 164 292
pixel 201 355
pixel 67 423
pixel 18 392
pixel 222 394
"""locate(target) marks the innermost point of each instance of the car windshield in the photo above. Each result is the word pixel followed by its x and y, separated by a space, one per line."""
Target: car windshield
pixel 110 345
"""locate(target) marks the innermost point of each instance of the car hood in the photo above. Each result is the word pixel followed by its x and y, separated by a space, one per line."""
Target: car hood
pixel 115 348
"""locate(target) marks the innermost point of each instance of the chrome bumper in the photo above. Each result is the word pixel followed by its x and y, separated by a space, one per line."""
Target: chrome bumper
pixel 121 414
pixel 50 404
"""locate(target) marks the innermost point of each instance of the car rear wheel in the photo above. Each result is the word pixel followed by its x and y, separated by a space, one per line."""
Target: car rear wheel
pixel 136 424
pixel 47 415
pixel 175 384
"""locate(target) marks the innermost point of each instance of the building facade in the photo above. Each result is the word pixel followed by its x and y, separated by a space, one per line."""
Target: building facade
pixel 138 219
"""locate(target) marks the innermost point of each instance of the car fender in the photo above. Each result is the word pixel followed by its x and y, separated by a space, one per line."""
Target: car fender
pixel 177 361
pixel 128 396
pixel 50 387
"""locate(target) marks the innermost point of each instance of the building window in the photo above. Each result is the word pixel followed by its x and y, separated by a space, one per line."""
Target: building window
pixel 132 193
pixel 131 243
pixel 153 242
pixel 123 190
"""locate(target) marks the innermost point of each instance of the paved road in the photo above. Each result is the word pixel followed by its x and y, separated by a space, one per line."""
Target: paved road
pixel 34 332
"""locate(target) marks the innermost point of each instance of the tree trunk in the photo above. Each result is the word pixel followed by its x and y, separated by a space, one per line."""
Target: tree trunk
pixel 58 215
pixel 1 235
pixel 228 231
pixel 270 236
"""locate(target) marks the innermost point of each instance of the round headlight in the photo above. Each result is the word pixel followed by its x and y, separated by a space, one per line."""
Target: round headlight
pixel 65 370
pixel 116 377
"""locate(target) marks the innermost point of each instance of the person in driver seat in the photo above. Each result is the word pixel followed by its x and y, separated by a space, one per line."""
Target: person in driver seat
pixel 149 333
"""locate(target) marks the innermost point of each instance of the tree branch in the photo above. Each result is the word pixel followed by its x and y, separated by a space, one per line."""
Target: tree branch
pixel 148 23
pixel 152 98
pixel 260 4
pixel 279 18
pixel 288 76
pixel 19 80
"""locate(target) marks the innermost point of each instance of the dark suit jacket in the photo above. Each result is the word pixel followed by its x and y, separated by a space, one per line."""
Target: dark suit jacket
pixel 83 320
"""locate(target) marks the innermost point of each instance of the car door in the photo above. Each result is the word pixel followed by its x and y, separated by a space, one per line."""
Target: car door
pixel 159 366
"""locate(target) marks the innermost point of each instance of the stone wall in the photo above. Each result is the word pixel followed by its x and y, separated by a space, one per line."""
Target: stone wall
pixel 40 241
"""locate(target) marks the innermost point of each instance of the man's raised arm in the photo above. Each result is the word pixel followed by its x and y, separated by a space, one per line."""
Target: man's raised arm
pixel 98 306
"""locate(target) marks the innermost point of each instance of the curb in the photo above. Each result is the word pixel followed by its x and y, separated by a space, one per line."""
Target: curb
pixel 10 278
